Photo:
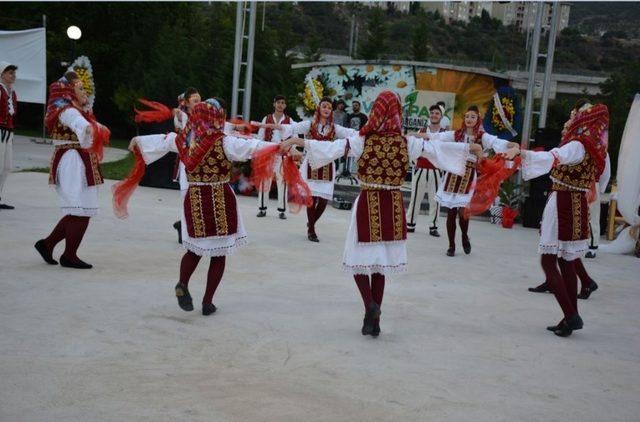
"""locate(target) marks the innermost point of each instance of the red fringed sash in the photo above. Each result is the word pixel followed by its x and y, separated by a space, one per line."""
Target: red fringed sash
pixel 380 216
pixel 493 171
pixel 158 113
pixel 123 190
pixel 262 169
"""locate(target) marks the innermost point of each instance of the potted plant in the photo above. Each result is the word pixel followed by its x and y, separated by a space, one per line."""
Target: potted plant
pixel 510 198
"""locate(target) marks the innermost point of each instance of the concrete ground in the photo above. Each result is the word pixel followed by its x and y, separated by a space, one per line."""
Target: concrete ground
pixel 462 339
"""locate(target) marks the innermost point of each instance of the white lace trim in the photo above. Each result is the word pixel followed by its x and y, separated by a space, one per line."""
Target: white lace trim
pixel 372 269
pixel 221 251
pixel 209 183
pixel 457 202
pixel 567 185
pixel 568 250
pixel 80 211
pixel 384 242
pixel 377 186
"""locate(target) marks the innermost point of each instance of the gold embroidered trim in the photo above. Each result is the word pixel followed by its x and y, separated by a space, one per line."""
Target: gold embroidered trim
pixel 220 210
pixel 384 160
pixel 197 216
pixel 576 206
pixel 375 232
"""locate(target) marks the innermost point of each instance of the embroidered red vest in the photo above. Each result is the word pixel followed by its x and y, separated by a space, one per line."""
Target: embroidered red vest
pixel 268 133
pixel 576 177
pixel 7 120
pixel 324 173
pixel 210 206
pixel 61 132
pixel 382 167
pixel 462 184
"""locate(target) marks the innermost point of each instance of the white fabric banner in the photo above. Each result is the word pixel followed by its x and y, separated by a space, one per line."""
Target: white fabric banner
pixel 628 168
pixel 27 50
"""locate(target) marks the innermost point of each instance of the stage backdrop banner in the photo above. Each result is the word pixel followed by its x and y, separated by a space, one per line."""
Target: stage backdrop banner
pixel 27 50
pixel 419 87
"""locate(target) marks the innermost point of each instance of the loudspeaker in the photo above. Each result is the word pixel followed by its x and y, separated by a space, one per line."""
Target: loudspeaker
pixel 547 137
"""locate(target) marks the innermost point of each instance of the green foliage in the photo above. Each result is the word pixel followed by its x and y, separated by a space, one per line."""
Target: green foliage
pixel 510 194
pixel 374 46
pixel 419 46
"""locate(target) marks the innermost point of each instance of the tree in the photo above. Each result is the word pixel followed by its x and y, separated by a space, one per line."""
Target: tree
pixel 374 46
pixel 419 46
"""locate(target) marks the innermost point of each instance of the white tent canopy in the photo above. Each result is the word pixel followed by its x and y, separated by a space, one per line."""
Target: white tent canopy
pixel 27 50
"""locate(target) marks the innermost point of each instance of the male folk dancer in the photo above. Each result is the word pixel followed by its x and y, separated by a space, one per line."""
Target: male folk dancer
pixel 8 112
pixel 426 178
pixel 376 241
pixel 75 171
pixel 278 117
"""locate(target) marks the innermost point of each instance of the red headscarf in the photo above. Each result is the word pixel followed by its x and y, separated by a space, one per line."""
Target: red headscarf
pixel 589 127
pixel 206 122
pixel 385 116
pixel 478 130
pixel 61 96
pixel 315 133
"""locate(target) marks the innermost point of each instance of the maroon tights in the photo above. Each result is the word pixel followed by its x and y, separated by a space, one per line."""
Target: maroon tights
pixel 370 291
pixel 216 270
pixel 451 225
pixel 314 212
pixel 563 283
pixel 71 228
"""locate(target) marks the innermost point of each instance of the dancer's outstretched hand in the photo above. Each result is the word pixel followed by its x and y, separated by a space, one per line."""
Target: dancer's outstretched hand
pixel 295 154
pixel 476 149
pixel 288 143
pixel 133 143
pixel 512 152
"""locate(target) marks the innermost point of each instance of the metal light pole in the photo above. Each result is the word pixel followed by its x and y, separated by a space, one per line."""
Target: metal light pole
pixel 237 58
pixel 533 67
pixel 246 102
pixel 546 88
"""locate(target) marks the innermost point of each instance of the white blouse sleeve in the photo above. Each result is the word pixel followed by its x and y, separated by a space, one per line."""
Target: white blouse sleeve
pixel 495 143
pixel 154 147
pixel 447 156
pixel 241 149
pixel 262 130
pixel 605 176
pixel 448 136
pixel 300 128
pixel 180 121
pixel 75 121
pixel 345 132
pixel 321 153
pixel 537 163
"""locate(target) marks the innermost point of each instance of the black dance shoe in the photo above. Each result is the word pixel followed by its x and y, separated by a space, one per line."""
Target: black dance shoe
pixel 411 229
pixel 178 226
pixel 208 308
pixel 568 326
pixel 313 237
pixel 451 251
pixel 184 297
pixel 586 292
pixel 433 231
pixel 261 213
pixel 44 252
pixel 6 207
pixel 80 264
pixel 556 327
pixel 590 254
pixel 282 216
pixel 376 328
pixel 543 288
pixel 373 313
pixel 466 245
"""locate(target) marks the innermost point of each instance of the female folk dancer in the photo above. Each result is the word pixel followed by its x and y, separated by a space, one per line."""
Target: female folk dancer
pixel 210 217
pixel 456 191
pixel 78 139
pixel 376 240
pixel 575 167
pixel 320 180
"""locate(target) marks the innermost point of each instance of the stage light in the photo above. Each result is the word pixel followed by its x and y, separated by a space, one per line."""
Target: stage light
pixel 74 32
